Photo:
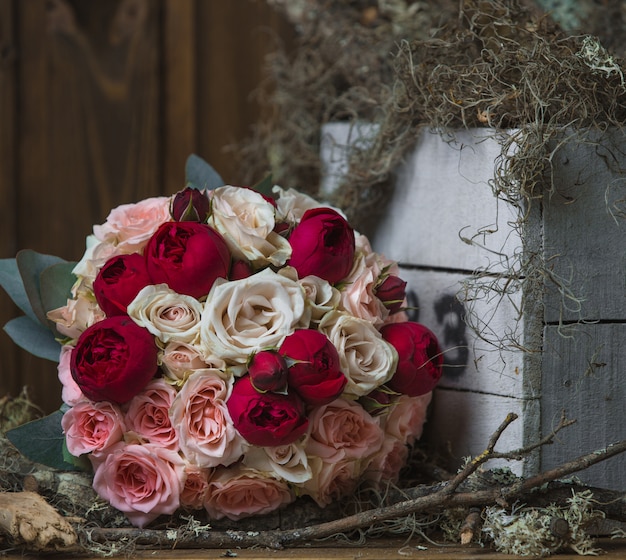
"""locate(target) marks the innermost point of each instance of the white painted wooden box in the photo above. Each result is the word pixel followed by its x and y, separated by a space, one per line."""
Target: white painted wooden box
pixel 533 346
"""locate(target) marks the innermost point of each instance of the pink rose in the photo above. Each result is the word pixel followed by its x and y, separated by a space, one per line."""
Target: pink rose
pixel 143 481
pixel 129 226
pixel 92 426
pixel 322 244
pixel 331 481
pixel 405 418
pixel 343 429
pixel 266 419
pixel 148 414
pixel 75 317
pixel 196 487
pixel 70 393
pixel 316 374
pixel 188 257
pixel 420 358
pixel 385 465
pixel 114 359
pixel 238 492
pixel 178 360
pixel 119 281
pixel 207 435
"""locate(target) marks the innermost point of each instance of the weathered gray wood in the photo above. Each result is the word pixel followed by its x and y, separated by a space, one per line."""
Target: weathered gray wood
pixel 583 373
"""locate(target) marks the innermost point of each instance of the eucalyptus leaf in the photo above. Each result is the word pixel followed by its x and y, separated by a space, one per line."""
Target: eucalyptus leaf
pixel 33 337
pixel 264 186
pixel 56 283
pixel 42 441
pixel 200 175
pixel 30 265
pixel 12 283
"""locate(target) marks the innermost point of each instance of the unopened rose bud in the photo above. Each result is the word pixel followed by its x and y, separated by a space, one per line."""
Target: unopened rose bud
pixel 190 205
pixel 378 400
pixel 392 293
pixel 240 270
pixel 268 371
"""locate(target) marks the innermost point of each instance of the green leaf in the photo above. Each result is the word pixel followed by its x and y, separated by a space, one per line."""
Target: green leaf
pixel 33 337
pixel 12 283
pixel 264 186
pixel 42 441
pixel 30 265
pixel 56 283
pixel 200 175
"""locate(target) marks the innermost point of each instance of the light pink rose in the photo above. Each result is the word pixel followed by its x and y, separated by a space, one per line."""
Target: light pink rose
pixel 70 392
pixel 148 414
pixel 239 492
pixel 385 466
pixel 129 226
pixel 343 430
pixel 406 417
pixel 178 360
pixel 92 427
pixel 196 486
pixel 288 462
pixel 331 481
pixel 142 481
pixel 76 316
pixel 207 436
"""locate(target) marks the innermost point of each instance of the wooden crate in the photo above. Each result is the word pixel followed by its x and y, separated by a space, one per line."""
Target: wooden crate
pixel 532 346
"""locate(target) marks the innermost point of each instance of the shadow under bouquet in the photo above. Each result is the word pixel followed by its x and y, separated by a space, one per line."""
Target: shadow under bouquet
pixel 227 349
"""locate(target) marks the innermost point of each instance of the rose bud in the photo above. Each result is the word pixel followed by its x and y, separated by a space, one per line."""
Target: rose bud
pixel 316 375
pixel 188 257
pixel 268 371
pixel 378 400
pixel 114 360
pixel 419 358
pixel 323 245
pixel 240 270
pixel 392 292
pixel 266 419
pixel 120 279
pixel 190 205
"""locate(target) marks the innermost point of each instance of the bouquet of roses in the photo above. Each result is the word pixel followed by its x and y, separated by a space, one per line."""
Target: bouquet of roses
pixel 229 350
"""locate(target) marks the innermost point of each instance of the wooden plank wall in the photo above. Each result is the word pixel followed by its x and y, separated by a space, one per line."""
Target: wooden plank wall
pixel 100 104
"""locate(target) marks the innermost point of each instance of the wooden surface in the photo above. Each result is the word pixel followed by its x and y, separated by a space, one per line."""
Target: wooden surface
pixel 101 102
pixel 376 550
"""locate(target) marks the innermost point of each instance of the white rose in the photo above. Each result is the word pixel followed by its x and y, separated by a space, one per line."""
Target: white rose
pixel 245 316
pixel 246 221
pixel 291 204
pixel 288 462
pixel 367 360
pixel 321 297
pixel 167 314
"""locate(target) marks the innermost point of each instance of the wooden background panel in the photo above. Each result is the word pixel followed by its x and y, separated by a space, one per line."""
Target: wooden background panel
pixel 100 106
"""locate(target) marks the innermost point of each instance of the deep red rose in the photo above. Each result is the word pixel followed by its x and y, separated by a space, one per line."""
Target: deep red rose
pixel 266 419
pixel 190 205
pixel 268 371
pixel 240 270
pixel 114 360
pixel 316 376
pixel 420 358
pixel 392 292
pixel 323 245
pixel 119 281
pixel 188 257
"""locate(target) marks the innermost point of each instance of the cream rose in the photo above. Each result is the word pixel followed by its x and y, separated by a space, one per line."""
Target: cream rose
pixel 321 297
pixel 245 316
pixel 239 492
pixel 284 461
pixel 207 436
pixel 331 481
pixel 75 317
pixel 291 204
pixel 367 360
pixel 179 360
pixel 246 221
pixel 166 314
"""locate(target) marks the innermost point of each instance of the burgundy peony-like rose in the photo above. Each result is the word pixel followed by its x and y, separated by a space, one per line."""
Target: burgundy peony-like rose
pixel 190 205
pixel 266 419
pixel 268 371
pixel 392 292
pixel 316 376
pixel 323 245
pixel 188 257
pixel 420 358
pixel 119 281
pixel 114 360
pixel 240 269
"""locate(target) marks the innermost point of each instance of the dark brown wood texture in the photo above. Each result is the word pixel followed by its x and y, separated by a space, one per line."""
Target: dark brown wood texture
pixel 101 102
